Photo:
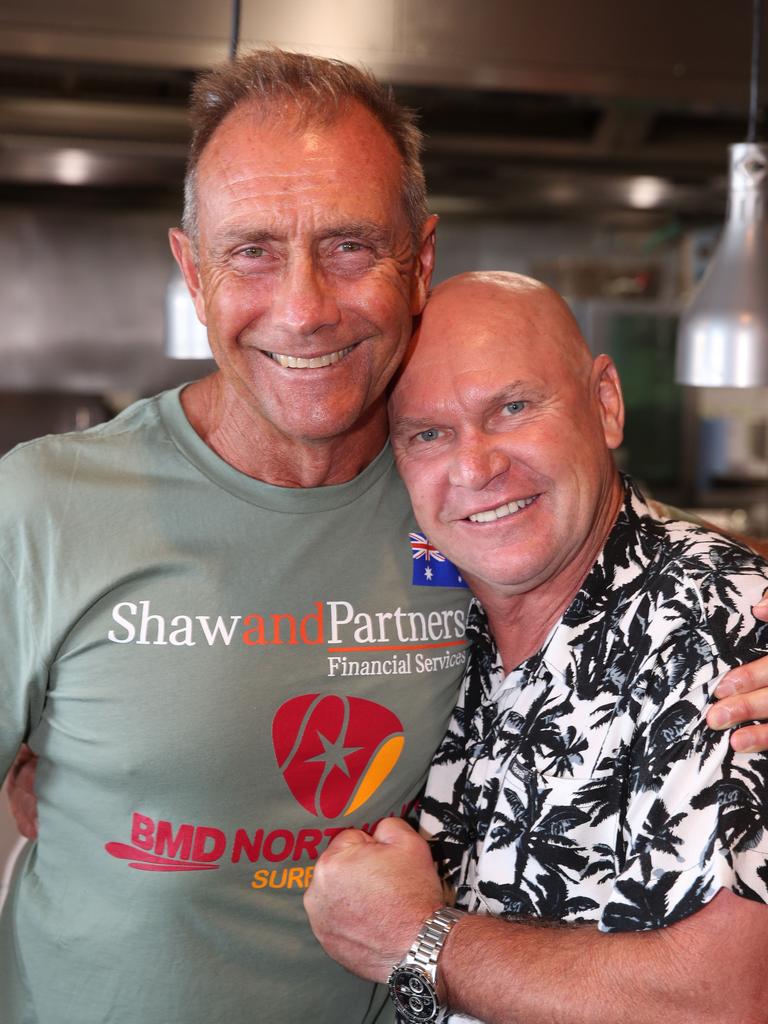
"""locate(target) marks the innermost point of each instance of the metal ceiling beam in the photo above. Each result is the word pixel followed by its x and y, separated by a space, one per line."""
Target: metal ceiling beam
pixel 33 160
pixel 686 157
pixel 93 119
pixel 687 51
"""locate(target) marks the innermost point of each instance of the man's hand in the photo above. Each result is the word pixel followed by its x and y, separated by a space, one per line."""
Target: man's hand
pixel 743 696
pixel 20 787
pixel 370 895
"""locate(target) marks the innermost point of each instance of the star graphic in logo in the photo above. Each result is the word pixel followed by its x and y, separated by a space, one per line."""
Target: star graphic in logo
pixel 365 745
pixel 334 754
pixel 427 573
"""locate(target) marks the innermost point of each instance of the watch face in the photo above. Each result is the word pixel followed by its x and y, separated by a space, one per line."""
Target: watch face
pixel 414 996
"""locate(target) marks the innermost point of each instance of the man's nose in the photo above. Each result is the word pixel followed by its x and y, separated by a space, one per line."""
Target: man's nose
pixel 477 463
pixel 303 301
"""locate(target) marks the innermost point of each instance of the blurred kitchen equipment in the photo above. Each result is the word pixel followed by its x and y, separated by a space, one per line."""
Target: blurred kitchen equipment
pixel 723 335
pixel 185 336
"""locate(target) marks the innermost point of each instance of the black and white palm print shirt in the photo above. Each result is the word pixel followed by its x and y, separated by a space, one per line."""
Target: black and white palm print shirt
pixel 585 786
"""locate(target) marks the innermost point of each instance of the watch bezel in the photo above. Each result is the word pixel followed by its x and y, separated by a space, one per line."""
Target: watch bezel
pixel 433 1012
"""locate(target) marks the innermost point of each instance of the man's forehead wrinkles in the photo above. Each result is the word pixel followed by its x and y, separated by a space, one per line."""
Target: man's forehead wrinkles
pixel 259 151
pixel 253 176
pixel 472 389
pixel 262 186
pixel 309 202
pixel 416 401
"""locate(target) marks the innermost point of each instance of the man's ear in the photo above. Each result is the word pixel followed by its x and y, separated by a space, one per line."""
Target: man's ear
pixel 425 264
pixel 183 253
pixel 606 388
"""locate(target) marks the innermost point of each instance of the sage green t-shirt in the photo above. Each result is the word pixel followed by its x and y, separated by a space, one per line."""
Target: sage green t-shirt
pixel 217 674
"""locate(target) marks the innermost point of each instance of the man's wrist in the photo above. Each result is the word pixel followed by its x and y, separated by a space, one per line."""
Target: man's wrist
pixel 443 977
pixel 417 987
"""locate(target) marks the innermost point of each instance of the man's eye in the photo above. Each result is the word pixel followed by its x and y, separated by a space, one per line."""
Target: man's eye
pixel 253 251
pixel 428 435
pixel 351 246
pixel 513 407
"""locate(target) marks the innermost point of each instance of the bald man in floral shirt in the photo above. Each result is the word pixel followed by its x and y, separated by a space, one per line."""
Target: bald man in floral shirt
pixel 579 783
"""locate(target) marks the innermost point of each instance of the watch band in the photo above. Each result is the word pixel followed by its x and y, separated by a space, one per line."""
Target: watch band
pixel 412 982
pixel 431 938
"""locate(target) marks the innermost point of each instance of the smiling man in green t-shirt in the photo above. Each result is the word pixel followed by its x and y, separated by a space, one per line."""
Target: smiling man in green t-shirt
pixel 220 636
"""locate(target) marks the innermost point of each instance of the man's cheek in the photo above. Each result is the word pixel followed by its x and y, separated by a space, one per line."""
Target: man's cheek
pixel 421 497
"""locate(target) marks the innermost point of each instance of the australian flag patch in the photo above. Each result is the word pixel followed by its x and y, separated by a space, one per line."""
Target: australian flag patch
pixel 430 567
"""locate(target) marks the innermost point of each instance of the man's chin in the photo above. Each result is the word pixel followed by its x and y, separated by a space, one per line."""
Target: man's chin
pixel 506 573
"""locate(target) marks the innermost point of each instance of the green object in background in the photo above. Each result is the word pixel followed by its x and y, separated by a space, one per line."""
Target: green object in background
pixel 643 347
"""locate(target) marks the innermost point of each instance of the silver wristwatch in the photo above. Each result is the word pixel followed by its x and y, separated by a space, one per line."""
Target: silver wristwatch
pixel 412 982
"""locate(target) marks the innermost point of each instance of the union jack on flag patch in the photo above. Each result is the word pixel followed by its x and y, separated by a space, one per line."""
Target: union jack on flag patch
pixel 430 567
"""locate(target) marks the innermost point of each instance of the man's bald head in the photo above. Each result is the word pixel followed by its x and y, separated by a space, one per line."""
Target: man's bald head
pixel 502 424
pixel 466 303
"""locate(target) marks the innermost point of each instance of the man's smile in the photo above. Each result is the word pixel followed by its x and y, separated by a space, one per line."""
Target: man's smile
pixel 501 511
pixel 313 363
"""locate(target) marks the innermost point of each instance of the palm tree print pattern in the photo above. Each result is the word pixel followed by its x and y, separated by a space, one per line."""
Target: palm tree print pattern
pixel 585 786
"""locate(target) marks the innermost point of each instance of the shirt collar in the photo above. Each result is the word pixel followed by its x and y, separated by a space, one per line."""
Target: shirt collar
pixel 631 544
pixel 629 547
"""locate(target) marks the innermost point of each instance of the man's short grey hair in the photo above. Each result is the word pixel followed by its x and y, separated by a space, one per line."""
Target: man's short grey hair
pixel 320 89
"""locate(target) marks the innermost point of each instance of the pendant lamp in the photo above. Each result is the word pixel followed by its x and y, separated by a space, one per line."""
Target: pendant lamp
pixel 723 335
pixel 185 336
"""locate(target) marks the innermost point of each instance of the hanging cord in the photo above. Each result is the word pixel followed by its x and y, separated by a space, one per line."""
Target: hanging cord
pixel 234 38
pixel 754 85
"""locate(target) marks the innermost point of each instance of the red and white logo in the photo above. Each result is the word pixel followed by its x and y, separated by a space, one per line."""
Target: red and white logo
pixel 335 751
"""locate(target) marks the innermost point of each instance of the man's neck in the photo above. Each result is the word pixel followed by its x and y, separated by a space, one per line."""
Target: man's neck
pixel 520 623
pixel 243 439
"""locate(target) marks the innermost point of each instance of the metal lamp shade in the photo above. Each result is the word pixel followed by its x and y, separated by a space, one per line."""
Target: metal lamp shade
pixel 185 336
pixel 723 335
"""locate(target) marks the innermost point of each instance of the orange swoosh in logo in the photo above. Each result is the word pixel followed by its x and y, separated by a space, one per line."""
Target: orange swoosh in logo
pixel 335 751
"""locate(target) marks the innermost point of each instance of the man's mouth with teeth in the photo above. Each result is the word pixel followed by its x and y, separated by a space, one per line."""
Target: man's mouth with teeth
pixel 492 514
pixel 315 363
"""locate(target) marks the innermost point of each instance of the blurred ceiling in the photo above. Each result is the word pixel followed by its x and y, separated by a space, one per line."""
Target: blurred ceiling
pixel 530 108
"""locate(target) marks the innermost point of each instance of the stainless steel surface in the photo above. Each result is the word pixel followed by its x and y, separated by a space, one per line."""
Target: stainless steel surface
pixel 34 160
pixel 723 337
pixel 686 50
pixel 615 89
pixel 82 293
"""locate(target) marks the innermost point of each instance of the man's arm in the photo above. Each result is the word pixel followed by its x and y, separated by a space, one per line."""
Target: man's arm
pixel 369 897
pixel 708 969
pixel 20 790
pixel 744 691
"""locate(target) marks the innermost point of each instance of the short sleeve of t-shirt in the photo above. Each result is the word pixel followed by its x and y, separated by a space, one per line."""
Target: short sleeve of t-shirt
pixel 23 671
